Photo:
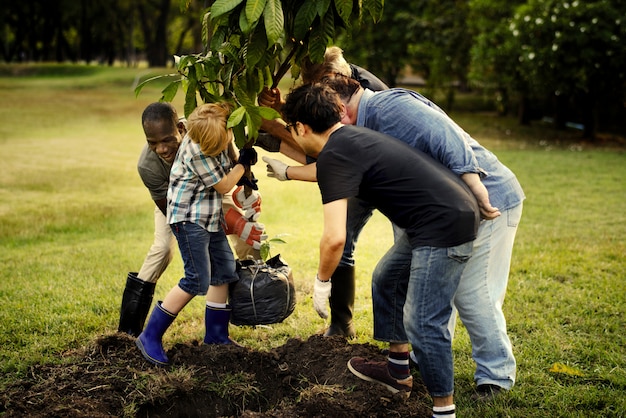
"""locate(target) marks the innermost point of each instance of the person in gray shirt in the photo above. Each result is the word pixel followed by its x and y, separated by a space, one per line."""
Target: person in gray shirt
pixel 164 132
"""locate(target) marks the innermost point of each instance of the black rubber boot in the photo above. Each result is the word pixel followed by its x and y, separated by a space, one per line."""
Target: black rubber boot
pixel 342 302
pixel 136 303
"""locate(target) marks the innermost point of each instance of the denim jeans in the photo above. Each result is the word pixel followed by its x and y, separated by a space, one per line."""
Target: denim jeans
pixel 480 296
pixel 417 306
pixel 207 258
pixel 359 212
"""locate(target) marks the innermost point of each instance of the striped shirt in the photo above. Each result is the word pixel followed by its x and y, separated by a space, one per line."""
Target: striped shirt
pixel 191 196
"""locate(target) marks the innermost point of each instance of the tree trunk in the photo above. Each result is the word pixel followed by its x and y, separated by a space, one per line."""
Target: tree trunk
pixel 154 28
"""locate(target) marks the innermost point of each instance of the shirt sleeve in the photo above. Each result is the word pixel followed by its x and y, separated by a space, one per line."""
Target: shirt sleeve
pixel 420 123
pixel 339 174
pixel 209 169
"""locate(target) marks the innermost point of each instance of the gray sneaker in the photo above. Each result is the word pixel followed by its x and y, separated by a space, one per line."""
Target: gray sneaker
pixel 377 372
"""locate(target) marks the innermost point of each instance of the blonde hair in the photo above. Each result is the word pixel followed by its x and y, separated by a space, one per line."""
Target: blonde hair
pixel 207 126
pixel 334 63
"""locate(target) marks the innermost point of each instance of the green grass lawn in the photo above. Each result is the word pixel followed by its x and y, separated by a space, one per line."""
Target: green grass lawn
pixel 75 218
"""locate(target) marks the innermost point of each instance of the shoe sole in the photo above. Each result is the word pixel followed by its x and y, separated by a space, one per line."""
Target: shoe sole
pixel 146 356
pixel 406 393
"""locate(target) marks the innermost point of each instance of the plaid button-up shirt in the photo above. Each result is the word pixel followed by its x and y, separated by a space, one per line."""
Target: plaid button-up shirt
pixel 191 196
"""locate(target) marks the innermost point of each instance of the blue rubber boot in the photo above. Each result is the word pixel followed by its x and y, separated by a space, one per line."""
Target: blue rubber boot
pixel 150 340
pixel 216 323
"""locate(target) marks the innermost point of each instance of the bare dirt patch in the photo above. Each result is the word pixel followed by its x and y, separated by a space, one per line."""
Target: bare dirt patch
pixel 299 379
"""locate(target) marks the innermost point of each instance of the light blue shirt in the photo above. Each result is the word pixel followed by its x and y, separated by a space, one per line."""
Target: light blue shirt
pixel 412 118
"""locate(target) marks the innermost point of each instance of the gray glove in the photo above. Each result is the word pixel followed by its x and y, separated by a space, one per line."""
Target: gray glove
pixel 276 168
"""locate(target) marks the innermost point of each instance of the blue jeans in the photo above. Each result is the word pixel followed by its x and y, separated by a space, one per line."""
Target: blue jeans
pixel 207 258
pixel 480 296
pixel 359 212
pixel 412 293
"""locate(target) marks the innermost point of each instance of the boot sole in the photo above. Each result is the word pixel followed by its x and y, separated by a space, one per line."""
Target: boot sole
pixel 147 356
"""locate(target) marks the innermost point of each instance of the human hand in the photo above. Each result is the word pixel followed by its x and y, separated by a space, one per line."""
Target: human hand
pixel 481 194
pixel 276 169
pixel 487 211
pixel 321 293
pixel 268 142
pixel 247 157
pixel 248 181
pixel 270 98
pixel 251 205
pixel 250 232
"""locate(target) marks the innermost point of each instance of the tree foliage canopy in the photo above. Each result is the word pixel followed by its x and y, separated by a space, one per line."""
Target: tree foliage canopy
pixel 251 44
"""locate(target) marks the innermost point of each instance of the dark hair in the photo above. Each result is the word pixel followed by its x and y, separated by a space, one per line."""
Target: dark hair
pixel 160 111
pixel 316 105
pixel 344 86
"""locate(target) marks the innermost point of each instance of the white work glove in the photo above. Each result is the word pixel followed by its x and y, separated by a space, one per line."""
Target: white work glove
pixel 276 168
pixel 321 293
pixel 251 205
pixel 251 232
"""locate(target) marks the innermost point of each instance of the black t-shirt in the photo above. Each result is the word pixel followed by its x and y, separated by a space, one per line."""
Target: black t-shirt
pixel 413 190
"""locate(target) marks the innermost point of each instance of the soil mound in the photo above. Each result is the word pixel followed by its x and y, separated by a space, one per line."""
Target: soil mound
pixel 299 379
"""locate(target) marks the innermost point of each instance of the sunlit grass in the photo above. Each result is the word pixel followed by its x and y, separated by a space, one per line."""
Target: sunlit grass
pixel 75 218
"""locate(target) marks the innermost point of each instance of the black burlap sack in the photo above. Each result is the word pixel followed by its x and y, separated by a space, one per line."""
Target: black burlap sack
pixel 264 293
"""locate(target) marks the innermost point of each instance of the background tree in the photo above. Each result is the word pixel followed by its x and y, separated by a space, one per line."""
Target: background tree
pixel 492 64
pixel 443 46
pixel 383 47
pixel 573 53
pixel 429 36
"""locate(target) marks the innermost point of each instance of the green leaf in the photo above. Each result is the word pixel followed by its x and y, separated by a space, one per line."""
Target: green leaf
pixel 221 7
pixel 268 113
pixel 322 7
pixel 236 117
pixel 255 49
pixel 191 101
pixel 207 29
pixel 344 8
pixel 169 92
pixel 321 36
pixel 254 9
pixel 141 85
pixel 304 19
pixel 277 241
pixel 240 135
pixel 253 121
pixel 274 21
pixel 218 38
pixel 265 251
pixel 374 8
pixel 244 25
pixel 239 90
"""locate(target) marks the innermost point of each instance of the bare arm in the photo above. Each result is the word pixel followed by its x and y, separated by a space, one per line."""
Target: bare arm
pixel 482 195
pixel 303 172
pixel 288 146
pixel 230 180
pixel 333 238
